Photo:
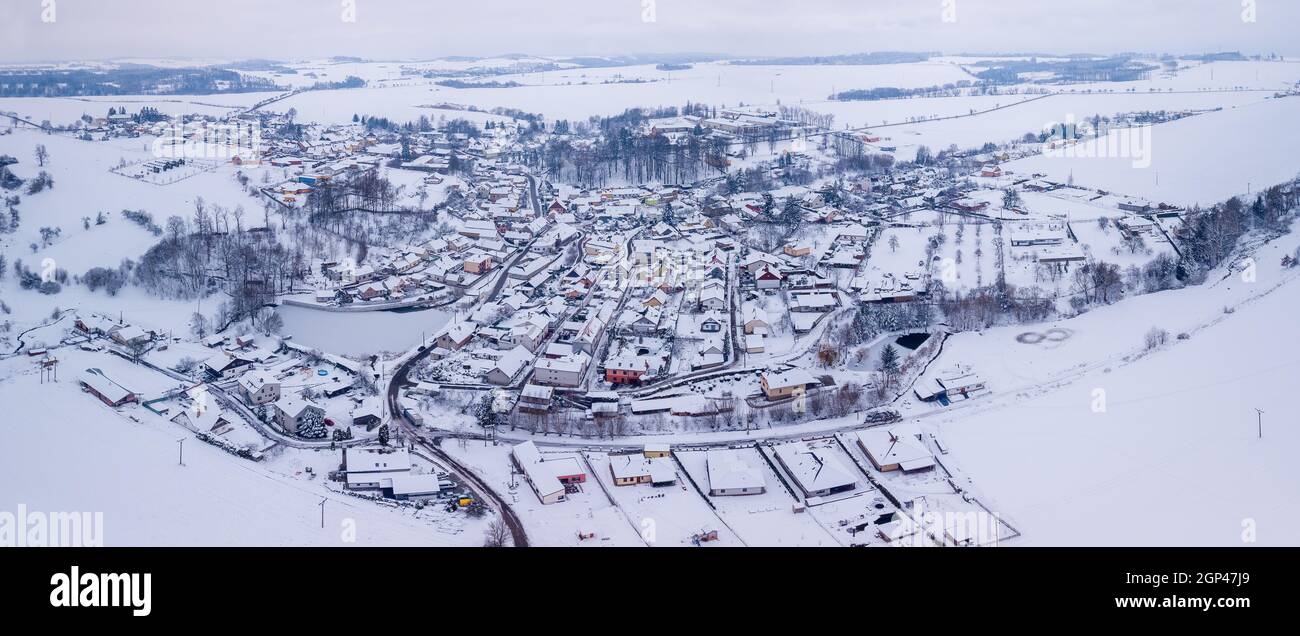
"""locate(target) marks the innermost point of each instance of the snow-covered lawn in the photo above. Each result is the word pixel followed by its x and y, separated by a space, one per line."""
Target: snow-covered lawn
pixel 667 515
pixel 766 519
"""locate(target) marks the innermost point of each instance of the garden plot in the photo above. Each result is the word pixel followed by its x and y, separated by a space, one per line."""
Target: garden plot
pixel 766 519
pixel 165 171
pixel 898 253
pixel 968 254
pixel 177 352
pixel 667 515
pixel 1107 243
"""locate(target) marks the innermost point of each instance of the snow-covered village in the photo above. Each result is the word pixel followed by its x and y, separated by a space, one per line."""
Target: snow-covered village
pixel 956 289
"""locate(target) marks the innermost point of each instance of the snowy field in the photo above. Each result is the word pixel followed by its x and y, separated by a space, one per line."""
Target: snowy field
pixel 1199 160
pixel 1174 457
pixel 85 187
pixel 65 110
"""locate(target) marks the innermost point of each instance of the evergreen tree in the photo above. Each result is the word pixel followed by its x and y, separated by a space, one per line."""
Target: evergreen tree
pixel 488 418
pixel 888 364
pixel 312 425
pixel 864 327
pixel 791 213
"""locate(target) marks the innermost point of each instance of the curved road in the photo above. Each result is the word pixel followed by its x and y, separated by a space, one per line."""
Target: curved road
pixel 399 378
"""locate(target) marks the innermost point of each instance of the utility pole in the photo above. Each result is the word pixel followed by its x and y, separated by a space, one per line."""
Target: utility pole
pixel 180 459
pixel 322 514
pixel 1259 420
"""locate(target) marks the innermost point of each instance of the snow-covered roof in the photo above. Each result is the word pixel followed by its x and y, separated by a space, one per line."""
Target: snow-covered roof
pixel 375 459
pixel 816 469
pixel 887 447
pixel 102 385
pixel 658 469
pixel 730 470
pixel 255 380
pixel 793 377
pixel 293 405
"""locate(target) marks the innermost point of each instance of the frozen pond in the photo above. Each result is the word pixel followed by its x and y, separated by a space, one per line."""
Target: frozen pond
pixel 361 333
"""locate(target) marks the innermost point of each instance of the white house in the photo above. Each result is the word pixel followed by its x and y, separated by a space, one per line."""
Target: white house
pixel 563 371
pixel 259 387
pixel 550 476
pixel 816 469
pixel 889 451
pixel 507 366
pixel 367 467
pixel 731 473
pixel 291 411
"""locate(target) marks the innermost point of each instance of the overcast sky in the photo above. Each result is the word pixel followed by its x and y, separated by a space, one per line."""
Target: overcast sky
pixel 413 29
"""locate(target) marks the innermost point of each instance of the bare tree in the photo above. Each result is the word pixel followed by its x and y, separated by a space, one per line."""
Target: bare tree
pixel 497 534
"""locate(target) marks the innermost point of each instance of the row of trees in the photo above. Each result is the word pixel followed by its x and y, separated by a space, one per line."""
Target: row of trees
pixel 1208 236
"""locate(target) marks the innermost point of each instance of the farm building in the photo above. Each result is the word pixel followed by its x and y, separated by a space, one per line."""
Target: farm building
pixel 94 382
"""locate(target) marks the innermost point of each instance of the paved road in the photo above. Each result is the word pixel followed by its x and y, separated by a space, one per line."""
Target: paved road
pixel 466 476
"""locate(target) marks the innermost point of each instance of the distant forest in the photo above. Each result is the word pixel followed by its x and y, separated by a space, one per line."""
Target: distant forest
pixel 129 80
pixel 881 57
pixel 1111 69
pixel 890 92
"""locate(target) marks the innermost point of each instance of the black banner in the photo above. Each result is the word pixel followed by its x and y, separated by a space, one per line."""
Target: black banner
pixel 166 584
